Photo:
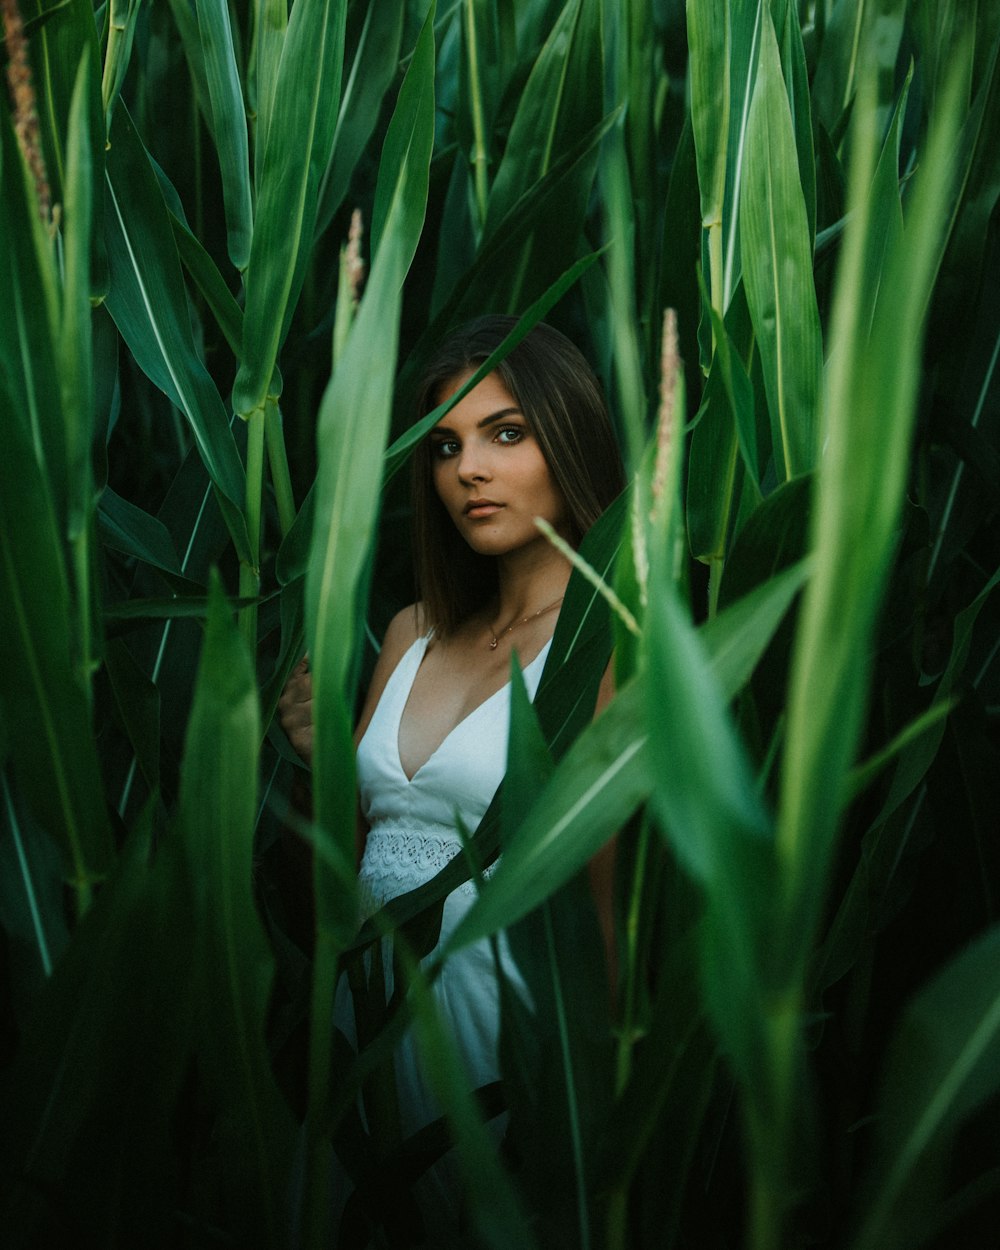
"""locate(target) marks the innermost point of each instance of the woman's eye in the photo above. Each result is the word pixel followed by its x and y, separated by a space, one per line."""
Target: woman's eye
pixel 510 434
pixel 445 449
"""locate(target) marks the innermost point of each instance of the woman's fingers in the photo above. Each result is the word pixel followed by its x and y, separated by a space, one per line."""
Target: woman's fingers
pixel 295 709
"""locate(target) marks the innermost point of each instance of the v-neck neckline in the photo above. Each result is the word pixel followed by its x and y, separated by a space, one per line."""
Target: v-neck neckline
pixel 410 780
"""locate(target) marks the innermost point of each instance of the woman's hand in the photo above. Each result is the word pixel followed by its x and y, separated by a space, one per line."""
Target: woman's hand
pixel 295 710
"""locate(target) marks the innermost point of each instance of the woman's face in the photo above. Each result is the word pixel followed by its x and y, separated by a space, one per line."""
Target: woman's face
pixel 489 471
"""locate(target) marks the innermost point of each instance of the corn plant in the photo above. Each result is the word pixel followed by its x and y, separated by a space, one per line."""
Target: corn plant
pixel 230 233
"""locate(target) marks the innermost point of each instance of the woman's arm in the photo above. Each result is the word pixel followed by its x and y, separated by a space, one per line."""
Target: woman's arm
pixel 294 861
pixel 404 629
pixel 295 706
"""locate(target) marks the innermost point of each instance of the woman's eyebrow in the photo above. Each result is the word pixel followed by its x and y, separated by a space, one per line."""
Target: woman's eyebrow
pixel 483 423
pixel 498 416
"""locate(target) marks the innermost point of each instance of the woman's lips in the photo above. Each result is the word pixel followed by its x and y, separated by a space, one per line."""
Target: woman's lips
pixel 481 508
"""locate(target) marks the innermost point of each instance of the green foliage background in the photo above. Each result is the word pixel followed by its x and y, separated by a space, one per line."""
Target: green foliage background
pixel 202 432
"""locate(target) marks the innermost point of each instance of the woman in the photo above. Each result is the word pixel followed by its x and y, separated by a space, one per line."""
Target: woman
pixel 532 439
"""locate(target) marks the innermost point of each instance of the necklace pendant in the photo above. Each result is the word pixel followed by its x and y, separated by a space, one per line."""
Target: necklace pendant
pixel 493 643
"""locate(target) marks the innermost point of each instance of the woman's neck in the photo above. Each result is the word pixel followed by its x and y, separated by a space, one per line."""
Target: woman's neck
pixel 529 579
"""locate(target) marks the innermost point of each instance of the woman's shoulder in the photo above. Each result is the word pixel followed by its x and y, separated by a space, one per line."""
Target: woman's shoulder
pixel 403 631
pixel 409 624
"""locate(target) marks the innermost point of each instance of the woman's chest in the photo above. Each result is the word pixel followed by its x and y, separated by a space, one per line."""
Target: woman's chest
pixel 446 692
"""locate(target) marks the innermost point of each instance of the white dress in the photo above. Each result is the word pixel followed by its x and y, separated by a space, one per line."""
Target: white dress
pixel 412 835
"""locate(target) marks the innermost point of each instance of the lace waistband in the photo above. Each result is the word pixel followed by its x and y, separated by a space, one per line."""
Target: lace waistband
pixel 398 859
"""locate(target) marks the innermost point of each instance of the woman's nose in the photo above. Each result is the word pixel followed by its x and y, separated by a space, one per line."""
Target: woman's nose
pixel 473 465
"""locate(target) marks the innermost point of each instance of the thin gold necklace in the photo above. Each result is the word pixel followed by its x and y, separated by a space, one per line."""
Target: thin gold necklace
pixel 495 638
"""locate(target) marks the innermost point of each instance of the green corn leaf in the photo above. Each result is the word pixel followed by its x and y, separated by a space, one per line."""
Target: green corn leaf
pixel 620 265
pixel 490 271
pixel 479 70
pixel 631 586
pixel 495 1209
pixel 886 210
pixel 774 536
pixel 293 554
pixel 218 813
pixel 884 846
pixel 929 724
pixel 707 803
pixel 739 389
pixel 725 39
pixel 229 127
pixel 581 644
pixel 793 64
pixel 186 20
pixel 133 532
pixel 358 403
pixel 671 1080
pixel 555 1048
pixel 292 647
pixel 376 61
pixel 353 424
pixel 66 36
pixel 149 305
pixel 86 1025
pixel 745 37
pixel 457 226
pixel 408 143
pixel 55 765
pixel 561 104
pixel 709 39
pixel 193 522
pixel 705 792
pixel 123 17
pixel 854 31
pixel 681 251
pixel 871 391
pixel 713 468
pixel 737 637
pixel 555 1057
pixel 710 811
pixel 943 1063
pixel 269 31
pixel 227 313
pixel 298 147
pixel 636 73
pixel 31 899
pixel 529 762
pixel 603 779
pixel 29 332
pixel 979 178
pixel 777 268
pixel 555 108
pixel 195 605
pixel 353 427
pixel 608 773
pixel 75 347
pixel 138 702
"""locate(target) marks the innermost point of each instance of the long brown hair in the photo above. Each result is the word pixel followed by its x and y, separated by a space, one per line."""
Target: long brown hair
pixel 561 400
